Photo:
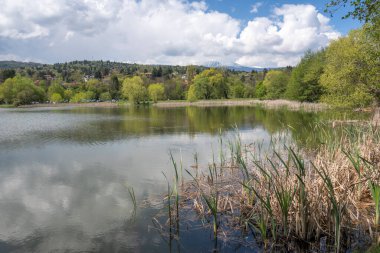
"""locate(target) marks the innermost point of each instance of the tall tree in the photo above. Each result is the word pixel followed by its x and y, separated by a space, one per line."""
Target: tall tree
pixel 114 86
pixel 304 81
pixel 351 76
pixel 210 84
pixel 133 89
pixel 275 83
pixel 156 92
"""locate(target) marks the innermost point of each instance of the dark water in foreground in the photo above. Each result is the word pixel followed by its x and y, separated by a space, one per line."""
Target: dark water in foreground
pixel 64 172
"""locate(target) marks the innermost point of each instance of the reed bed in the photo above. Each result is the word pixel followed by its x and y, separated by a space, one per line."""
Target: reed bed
pixel 325 199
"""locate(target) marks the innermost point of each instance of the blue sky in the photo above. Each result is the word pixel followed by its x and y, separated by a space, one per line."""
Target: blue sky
pixel 241 9
pixel 178 32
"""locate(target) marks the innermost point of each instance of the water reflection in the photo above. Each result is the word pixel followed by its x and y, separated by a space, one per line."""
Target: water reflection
pixel 63 171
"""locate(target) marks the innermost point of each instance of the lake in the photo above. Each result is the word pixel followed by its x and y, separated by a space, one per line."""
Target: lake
pixel 65 172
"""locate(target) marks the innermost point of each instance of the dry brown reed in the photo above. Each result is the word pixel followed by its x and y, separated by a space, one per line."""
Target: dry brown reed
pixel 288 194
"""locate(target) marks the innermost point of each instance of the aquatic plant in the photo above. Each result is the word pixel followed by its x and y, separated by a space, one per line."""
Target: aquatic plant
pixel 287 192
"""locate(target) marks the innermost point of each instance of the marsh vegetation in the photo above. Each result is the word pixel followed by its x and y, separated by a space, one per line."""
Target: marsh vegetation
pixel 290 197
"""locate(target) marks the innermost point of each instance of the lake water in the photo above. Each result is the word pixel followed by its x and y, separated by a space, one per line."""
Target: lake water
pixel 64 172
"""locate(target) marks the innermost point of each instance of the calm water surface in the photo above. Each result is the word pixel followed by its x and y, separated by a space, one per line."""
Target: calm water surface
pixel 64 172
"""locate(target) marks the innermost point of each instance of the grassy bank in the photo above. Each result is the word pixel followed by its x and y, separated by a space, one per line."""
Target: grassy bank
pixel 270 104
pixel 292 105
pixel 325 199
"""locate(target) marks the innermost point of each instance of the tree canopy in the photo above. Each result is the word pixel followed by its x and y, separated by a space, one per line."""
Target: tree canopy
pixel 133 89
pixel 350 77
pixel 20 90
pixel 304 82
pixel 210 84
pixel 275 83
pixel 156 92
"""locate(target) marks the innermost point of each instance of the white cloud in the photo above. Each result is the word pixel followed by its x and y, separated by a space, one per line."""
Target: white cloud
pixel 255 7
pixel 150 31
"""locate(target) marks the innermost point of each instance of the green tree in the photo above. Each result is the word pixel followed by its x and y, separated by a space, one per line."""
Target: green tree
pixel 304 80
pixel 56 98
pixel 367 11
pixel 156 92
pixel 7 73
pixel 260 90
pixel 96 86
pixel 190 73
pixel 133 89
pixel 236 87
pixel 114 87
pixel 68 94
pixel 105 96
pixel 191 96
pixel 78 97
pixel 351 75
pixel 210 84
pixel 275 83
pixel 363 10
pixel 56 88
pixel 175 89
pixel 20 90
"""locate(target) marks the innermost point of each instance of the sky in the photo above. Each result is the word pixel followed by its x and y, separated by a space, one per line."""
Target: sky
pixel 177 32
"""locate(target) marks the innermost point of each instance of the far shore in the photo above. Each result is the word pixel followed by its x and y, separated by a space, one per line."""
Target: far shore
pixel 292 105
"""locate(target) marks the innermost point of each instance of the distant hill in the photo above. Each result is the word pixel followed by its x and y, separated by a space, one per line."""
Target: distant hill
pixel 235 67
pixel 18 64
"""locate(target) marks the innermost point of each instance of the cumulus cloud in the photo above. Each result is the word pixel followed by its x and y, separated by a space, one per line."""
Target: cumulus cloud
pixel 165 32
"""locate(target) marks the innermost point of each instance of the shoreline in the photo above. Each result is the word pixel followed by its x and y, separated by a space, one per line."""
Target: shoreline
pixel 270 104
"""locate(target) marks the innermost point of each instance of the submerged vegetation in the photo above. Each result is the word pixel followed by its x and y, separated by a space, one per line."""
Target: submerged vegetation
pixel 322 198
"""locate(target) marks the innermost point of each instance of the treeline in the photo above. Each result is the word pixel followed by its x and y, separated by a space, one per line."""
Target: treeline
pixel 346 74
pixel 88 81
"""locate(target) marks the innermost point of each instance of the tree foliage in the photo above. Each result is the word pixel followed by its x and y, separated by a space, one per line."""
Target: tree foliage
pixel 56 98
pixel 133 89
pixel 275 83
pixel 56 88
pixel 363 10
pixel 304 80
pixel 105 96
pixel 156 92
pixel 210 84
pixel 260 90
pixel 20 90
pixel 114 86
pixel 7 73
pixel 350 78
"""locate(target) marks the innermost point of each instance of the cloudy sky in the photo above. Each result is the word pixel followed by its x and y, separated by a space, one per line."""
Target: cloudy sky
pixel 245 32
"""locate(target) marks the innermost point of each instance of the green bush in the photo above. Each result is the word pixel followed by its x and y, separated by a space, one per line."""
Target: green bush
pixel 56 98
pixel 105 96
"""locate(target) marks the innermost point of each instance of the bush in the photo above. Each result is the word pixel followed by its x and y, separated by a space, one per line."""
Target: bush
pixel 79 97
pixel 56 98
pixel 105 96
